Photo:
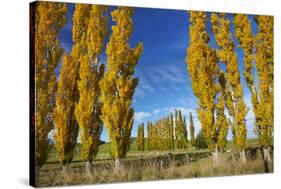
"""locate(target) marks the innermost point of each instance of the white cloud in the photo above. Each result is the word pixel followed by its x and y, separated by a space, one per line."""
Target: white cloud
pixel 139 116
pixel 151 78
pixel 144 87
pixel 156 111
pixel 140 92
pixel 165 73
pixel 185 111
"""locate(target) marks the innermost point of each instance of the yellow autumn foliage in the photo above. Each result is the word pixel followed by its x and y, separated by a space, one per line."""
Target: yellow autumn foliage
pixel 140 138
pixel 262 93
pixel 264 62
pixel 180 130
pixel 89 32
pixel 51 17
pixel 202 65
pixel 118 84
pixel 66 127
pixel 191 129
pixel 227 55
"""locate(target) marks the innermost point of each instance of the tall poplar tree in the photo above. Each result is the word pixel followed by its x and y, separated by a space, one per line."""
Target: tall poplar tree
pixel 148 129
pixel 221 123
pixel 89 32
pixel 50 18
pixel 185 133
pixel 263 45
pixel 202 65
pixel 171 126
pixel 66 126
pixel 259 49
pixel 191 129
pixel 153 137
pixel 140 138
pixel 227 55
pixel 118 85
pixel 180 130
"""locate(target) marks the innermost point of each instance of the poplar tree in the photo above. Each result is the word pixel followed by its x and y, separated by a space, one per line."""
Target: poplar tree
pixel 50 18
pixel 165 128
pixel 185 134
pixel 140 138
pixel 191 129
pixel 227 55
pixel 221 124
pixel 260 50
pixel 153 137
pixel 149 141
pixel 66 127
pixel 171 134
pixel 202 65
pixel 89 32
pixel 159 136
pixel 180 130
pixel 177 130
pixel 263 45
pixel 118 84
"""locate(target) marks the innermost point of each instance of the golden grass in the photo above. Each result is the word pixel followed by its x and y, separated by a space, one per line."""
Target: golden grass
pixel 201 168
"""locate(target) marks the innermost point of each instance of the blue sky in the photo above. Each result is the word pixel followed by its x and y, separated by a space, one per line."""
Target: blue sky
pixel 164 81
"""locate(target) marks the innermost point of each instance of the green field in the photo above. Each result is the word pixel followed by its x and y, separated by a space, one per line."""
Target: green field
pixel 104 155
pixel 104 150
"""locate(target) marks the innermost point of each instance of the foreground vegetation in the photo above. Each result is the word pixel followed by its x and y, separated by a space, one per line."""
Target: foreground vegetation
pixel 173 168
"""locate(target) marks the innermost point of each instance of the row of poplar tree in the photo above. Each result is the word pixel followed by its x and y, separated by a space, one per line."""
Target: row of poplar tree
pixel 220 90
pixel 167 133
pixel 87 95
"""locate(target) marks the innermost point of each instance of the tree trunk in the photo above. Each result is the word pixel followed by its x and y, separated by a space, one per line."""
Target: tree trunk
pixel 119 164
pixel 243 157
pixel 216 157
pixel 65 170
pixel 37 175
pixel 89 168
pixel 266 158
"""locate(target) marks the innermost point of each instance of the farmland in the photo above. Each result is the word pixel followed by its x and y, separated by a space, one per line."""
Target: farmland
pixel 150 165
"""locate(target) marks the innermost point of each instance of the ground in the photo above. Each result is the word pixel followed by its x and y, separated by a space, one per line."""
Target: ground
pixel 150 165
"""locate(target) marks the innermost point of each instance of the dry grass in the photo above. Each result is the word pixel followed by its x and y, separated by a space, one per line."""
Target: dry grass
pixel 206 168
pixel 201 168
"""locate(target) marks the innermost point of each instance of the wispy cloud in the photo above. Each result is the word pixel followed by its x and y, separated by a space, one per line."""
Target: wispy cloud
pixel 156 111
pixel 155 74
pixel 187 101
pixel 155 77
pixel 140 116
pixel 66 46
pixel 144 88
pixel 185 111
pixel 140 93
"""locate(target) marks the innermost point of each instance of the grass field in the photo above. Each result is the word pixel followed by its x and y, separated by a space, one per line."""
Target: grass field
pixel 104 149
pixel 51 174
pixel 104 155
